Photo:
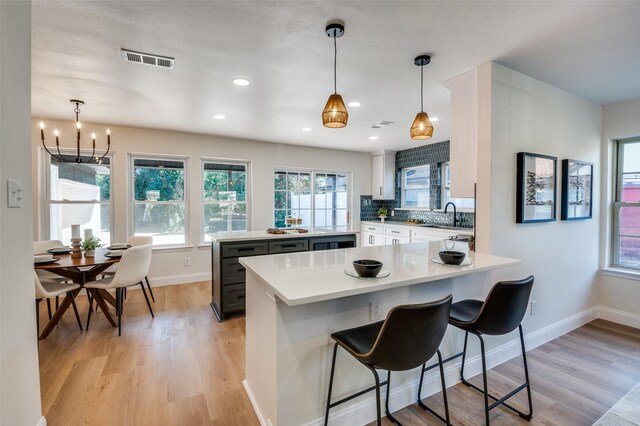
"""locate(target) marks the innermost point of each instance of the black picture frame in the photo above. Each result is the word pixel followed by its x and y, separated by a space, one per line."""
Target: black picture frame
pixel 536 191
pixel 577 190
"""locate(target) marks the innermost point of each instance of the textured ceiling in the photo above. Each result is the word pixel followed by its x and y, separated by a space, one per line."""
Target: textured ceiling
pixel 591 49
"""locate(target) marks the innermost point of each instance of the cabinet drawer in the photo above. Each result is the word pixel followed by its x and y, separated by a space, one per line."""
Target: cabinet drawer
pixel 288 246
pixel 233 297
pixel 244 249
pixel 398 232
pixel 232 271
pixel 371 228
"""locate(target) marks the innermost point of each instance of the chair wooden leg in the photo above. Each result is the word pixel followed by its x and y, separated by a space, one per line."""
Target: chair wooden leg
pixel 119 297
pixel 75 309
pixel 150 291
pixel 146 298
pixel 57 302
pixel 125 293
pixel 49 308
pixel 38 316
pixel 90 296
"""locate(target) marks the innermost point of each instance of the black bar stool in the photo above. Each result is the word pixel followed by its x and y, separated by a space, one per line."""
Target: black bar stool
pixel 406 339
pixel 501 313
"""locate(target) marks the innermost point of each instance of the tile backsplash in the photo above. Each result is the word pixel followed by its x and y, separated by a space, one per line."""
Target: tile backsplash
pixel 433 154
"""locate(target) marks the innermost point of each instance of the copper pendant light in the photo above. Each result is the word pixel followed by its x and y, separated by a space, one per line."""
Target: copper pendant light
pixel 335 113
pixel 421 128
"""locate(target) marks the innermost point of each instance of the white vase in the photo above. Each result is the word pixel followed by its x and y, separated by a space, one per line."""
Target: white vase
pixel 89 253
pixel 382 217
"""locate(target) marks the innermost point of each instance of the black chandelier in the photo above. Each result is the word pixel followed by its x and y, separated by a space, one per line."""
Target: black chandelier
pixel 78 158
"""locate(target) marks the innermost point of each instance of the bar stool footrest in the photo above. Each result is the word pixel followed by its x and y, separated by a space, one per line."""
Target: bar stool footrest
pixel 430 410
pixel 502 401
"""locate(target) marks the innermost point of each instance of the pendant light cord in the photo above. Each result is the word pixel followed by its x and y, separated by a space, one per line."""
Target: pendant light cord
pixel 421 88
pixel 335 62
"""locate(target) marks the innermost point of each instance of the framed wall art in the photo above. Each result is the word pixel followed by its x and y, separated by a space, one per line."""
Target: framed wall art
pixel 577 190
pixel 536 188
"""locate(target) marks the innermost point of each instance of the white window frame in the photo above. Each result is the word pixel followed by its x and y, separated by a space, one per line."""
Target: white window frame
pixel 46 194
pixel 132 202
pixel 313 173
pixel 247 202
pixel 402 187
pixel 618 203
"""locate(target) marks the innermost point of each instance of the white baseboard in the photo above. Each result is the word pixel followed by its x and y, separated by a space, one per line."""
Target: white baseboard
pixel 42 422
pixel 179 279
pixel 620 317
pixel 363 412
pixel 256 409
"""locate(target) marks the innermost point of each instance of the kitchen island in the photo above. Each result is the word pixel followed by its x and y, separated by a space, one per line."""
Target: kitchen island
pixel 295 301
pixel 228 275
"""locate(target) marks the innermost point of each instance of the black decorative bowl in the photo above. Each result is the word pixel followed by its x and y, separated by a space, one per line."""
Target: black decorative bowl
pixel 450 257
pixel 367 268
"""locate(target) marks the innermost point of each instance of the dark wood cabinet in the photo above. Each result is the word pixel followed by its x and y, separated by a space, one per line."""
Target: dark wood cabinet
pixel 228 275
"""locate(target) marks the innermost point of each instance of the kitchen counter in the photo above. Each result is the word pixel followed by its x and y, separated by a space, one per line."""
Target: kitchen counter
pixel 309 277
pixel 295 301
pixel 263 235
pixel 457 229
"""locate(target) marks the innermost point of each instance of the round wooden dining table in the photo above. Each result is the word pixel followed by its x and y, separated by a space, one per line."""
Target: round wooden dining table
pixel 80 270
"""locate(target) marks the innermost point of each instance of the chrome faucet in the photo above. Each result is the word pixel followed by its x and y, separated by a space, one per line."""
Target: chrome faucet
pixel 455 214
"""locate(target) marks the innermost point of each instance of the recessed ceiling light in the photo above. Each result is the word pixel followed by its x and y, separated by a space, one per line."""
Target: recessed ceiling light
pixel 306 129
pixel 354 104
pixel 433 119
pixel 241 82
pixel 219 117
pixel 373 138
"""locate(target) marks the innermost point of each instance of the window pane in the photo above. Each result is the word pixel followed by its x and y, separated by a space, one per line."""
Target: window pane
pixel 280 200
pixel 224 217
pixel 224 182
pixel 341 218
pixel 80 182
pixel 280 181
pixel 341 200
pixel 416 177
pixel 164 222
pixel 158 183
pixel 279 218
pixel 631 173
pixel 416 198
pixel 89 216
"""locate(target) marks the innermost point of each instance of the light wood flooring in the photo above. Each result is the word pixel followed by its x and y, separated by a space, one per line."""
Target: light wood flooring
pixel 185 368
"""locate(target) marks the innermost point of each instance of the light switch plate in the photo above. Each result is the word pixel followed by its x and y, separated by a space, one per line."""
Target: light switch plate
pixel 14 193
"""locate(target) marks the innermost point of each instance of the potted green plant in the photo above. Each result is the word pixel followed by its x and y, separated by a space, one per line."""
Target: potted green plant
pixel 90 245
pixel 382 213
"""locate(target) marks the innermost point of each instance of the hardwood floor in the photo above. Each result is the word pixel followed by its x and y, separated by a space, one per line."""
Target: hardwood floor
pixel 185 368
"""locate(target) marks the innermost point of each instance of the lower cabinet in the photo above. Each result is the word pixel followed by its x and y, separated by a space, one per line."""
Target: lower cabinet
pixel 370 239
pixel 229 276
pixel 390 240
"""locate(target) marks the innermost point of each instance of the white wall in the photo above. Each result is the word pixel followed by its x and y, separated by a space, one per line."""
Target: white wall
pixel 19 378
pixel 621 120
pixel 532 116
pixel 264 158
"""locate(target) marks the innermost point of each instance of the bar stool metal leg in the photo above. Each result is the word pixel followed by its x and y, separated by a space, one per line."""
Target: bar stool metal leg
pixel 386 404
pixel 526 377
pixel 333 366
pixel 377 378
pixel 422 405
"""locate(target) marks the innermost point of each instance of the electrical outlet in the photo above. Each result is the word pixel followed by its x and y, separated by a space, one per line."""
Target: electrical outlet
pixel 374 312
pixel 533 307
pixel 393 212
pixel 187 261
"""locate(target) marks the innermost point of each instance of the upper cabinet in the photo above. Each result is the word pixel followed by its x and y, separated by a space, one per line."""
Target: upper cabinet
pixel 383 176
pixel 464 133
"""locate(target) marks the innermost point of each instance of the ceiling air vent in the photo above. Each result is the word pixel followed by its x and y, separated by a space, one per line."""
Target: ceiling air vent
pixel 381 124
pixel 147 59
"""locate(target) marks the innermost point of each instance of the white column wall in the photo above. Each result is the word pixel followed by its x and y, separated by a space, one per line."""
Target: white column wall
pixel 19 377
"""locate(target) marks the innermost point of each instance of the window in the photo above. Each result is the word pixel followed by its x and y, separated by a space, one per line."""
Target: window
pixel 416 189
pixel 78 193
pixel 159 199
pixel 311 199
pixel 626 235
pixel 461 203
pixel 224 193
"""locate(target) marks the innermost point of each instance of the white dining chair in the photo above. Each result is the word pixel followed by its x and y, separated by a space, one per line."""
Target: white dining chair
pixel 132 270
pixel 41 247
pixel 46 289
pixel 134 241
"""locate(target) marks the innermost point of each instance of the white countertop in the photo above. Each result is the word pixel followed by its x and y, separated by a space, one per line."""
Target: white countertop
pixel 457 230
pixel 263 235
pixel 307 277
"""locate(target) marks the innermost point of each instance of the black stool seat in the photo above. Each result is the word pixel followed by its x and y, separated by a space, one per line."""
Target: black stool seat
pixel 406 339
pixel 463 313
pixel 358 340
pixel 501 313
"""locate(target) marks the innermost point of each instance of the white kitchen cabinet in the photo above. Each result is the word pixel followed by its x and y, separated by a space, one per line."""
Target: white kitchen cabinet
pixel 463 148
pixel 390 240
pixel 383 176
pixel 370 239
